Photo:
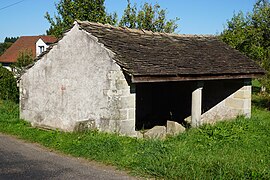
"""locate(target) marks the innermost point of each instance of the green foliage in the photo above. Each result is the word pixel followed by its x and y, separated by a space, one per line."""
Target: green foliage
pixel 237 149
pixel 11 39
pixel 8 86
pixel 261 100
pixel 4 46
pixel 250 34
pixel 70 10
pixel 149 17
pixel 24 59
pixel 256 86
pixel 7 43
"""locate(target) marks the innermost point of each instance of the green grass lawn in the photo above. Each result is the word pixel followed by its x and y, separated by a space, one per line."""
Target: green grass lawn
pixel 239 149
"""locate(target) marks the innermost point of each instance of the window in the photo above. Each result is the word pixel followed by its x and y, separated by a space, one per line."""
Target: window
pixel 41 49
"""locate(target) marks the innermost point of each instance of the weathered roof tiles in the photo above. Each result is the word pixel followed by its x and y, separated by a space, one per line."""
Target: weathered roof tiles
pixel 144 53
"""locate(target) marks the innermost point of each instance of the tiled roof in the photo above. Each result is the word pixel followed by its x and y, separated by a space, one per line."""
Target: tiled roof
pixel 147 54
pixel 22 44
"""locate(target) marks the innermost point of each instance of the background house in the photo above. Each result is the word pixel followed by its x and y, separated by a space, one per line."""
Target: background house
pixel 35 44
pixel 124 80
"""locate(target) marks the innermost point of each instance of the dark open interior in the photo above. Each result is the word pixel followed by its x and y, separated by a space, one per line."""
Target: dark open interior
pixel 158 102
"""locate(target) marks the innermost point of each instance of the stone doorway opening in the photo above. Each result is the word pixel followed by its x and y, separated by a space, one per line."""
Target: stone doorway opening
pixel 156 103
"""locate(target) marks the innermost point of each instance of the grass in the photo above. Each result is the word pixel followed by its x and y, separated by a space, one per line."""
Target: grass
pixel 238 149
pixel 261 101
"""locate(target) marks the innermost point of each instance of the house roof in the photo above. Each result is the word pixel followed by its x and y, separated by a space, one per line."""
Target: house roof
pixel 149 56
pixel 22 44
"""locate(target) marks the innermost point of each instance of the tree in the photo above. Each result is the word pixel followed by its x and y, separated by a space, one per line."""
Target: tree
pixel 7 43
pixel 149 17
pixel 24 59
pixel 11 39
pixel 4 46
pixel 8 86
pixel 250 34
pixel 70 10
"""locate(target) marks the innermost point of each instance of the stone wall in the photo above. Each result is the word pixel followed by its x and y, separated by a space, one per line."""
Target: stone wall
pixel 78 85
pixel 122 101
pixel 237 103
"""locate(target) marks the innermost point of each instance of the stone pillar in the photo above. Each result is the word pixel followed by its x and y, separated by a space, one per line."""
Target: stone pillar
pixel 196 106
pixel 247 98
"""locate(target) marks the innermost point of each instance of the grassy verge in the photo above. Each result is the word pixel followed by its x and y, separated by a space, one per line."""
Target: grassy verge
pixel 229 150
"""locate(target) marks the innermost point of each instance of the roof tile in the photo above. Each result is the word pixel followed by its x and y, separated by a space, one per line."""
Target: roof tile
pixel 144 53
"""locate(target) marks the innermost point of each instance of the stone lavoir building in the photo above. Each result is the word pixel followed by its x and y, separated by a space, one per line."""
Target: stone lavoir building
pixel 123 80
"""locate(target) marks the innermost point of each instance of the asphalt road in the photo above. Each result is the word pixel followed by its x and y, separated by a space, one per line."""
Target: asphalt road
pixel 21 160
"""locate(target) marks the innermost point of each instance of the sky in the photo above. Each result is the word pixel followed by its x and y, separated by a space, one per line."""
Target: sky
pixel 26 17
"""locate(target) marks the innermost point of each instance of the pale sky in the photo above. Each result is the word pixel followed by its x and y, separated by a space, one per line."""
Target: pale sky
pixel 26 17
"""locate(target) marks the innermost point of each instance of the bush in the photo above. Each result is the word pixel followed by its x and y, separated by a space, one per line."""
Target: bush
pixel 24 59
pixel 8 86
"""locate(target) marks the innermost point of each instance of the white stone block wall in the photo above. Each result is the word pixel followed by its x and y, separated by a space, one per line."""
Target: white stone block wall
pixel 123 103
pixel 239 103
pixel 78 85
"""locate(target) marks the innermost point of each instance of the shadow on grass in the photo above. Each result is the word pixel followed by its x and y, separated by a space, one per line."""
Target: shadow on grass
pixel 256 89
pixel 261 101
